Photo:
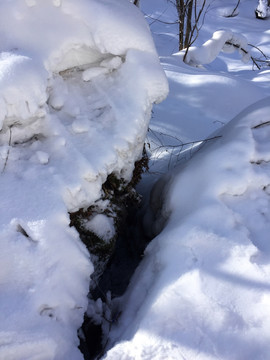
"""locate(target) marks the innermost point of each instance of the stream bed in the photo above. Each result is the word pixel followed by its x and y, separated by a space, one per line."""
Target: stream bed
pixel 129 249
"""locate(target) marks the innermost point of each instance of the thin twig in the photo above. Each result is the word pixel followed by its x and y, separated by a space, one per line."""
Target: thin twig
pixel 256 47
pixel 262 124
pixel 189 143
pixel 157 19
pixel 234 10
pixel 266 59
pixel 176 152
pixel 163 22
pixel 244 51
pixel 9 145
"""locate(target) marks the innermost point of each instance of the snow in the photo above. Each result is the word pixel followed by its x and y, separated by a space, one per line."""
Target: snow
pixel 221 40
pixel 202 288
pixel 71 114
pixel 263 10
pixel 101 225
pixel 77 84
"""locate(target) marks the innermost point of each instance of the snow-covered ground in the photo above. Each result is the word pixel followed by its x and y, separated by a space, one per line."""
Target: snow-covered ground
pixel 202 290
pixel 77 84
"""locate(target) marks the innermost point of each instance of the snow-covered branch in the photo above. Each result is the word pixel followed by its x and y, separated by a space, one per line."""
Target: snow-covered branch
pixel 222 40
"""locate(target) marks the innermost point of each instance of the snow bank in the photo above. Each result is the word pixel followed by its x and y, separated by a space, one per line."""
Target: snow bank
pixel 202 290
pixel 222 40
pixel 77 83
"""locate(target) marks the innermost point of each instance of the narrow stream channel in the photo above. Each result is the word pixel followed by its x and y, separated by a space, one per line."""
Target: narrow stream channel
pixel 129 249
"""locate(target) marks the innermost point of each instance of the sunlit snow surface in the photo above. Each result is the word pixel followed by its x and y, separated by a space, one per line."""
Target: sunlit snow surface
pixel 203 288
pixel 77 84
pixel 202 291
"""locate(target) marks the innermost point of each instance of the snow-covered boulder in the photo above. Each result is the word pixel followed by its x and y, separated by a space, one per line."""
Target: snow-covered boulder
pixel 77 84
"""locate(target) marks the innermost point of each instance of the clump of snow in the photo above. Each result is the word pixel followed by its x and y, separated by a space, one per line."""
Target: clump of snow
pixel 222 40
pixel 17 100
pixel 43 157
pixel 102 226
pixel 77 83
pixel 263 9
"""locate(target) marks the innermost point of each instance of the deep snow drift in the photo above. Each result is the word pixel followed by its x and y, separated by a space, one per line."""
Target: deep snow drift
pixel 77 83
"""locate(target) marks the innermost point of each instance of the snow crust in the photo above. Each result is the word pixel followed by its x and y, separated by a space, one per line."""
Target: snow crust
pixel 77 83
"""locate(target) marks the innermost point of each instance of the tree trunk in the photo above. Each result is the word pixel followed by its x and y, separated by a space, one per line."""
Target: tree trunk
pixel 181 18
pixel 188 23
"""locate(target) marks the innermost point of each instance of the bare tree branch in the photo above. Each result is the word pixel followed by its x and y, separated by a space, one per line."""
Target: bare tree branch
pixel 234 10
pixel 9 145
pixel 176 152
pixel 244 51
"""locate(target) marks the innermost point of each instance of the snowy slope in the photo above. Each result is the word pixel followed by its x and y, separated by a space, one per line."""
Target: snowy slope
pixel 202 289
pixel 202 100
pixel 77 85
